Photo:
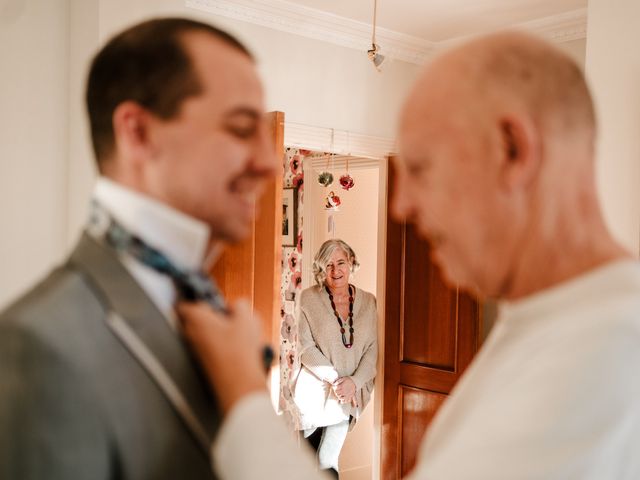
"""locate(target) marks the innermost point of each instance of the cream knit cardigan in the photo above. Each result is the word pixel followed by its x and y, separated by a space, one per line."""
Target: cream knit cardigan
pixel 324 358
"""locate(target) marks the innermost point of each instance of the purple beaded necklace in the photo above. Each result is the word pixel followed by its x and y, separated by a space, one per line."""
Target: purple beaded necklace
pixel 350 322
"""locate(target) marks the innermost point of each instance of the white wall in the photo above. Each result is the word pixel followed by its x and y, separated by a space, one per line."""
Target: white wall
pixel 613 69
pixel 83 29
pixel 576 49
pixel 33 140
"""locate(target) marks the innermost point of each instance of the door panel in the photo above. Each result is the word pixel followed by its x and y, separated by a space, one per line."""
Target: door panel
pixel 431 335
pixel 429 329
pixel 417 409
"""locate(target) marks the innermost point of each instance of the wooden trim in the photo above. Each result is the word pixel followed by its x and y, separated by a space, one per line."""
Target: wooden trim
pixel 390 468
pixel 268 267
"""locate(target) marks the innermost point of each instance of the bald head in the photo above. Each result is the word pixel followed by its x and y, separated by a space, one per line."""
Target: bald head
pixel 496 147
pixel 510 72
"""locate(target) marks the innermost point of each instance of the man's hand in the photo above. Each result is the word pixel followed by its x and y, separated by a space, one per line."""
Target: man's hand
pixel 229 348
pixel 345 389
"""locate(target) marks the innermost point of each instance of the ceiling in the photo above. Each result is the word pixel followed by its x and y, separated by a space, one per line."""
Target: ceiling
pixel 441 20
pixel 408 30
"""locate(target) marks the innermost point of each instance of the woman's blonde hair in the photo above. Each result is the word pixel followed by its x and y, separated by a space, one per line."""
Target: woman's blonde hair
pixel 323 256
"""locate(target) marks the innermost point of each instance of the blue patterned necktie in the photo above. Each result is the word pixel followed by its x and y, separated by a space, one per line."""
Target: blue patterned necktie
pixel 192 286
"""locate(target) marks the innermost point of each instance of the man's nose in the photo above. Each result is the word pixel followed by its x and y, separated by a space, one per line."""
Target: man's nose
pixel 265 160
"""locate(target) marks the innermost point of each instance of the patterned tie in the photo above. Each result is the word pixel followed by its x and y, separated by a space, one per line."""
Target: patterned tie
pixel 192 286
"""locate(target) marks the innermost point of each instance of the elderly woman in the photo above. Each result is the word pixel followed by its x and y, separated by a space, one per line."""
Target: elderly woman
pixel 338 351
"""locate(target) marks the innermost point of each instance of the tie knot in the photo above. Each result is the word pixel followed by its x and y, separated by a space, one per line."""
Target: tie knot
pixel 191 285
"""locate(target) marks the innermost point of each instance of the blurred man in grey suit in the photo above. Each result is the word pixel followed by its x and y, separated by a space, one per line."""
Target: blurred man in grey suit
pixel 95 382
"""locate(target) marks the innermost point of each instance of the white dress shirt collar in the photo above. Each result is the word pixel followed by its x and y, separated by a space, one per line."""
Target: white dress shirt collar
pixel 182 238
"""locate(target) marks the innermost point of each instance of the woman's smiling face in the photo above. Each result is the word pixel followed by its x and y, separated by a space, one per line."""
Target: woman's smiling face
pixel 338 270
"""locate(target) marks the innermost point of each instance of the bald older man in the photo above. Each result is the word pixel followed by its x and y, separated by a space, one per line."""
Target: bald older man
pixel 497 172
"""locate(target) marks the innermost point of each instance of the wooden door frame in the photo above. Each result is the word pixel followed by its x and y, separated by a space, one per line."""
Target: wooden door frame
pixel 266 299
pixel 378 403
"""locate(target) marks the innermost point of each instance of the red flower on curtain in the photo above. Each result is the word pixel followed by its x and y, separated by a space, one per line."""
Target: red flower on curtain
pixel 293 261
pixel 295 163
pixel 299 243
pixel 298 181
pixel 296 280
pixel 288 329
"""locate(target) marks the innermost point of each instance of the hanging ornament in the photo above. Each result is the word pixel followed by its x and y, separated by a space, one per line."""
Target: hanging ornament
pixel 325 178
pixel 332 202
pixel 346 180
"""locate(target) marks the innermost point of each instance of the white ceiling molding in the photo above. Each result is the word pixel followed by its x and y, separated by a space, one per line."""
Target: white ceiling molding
pixel 339 142
pixel 338 163
pixel 311 23
pixel 564 27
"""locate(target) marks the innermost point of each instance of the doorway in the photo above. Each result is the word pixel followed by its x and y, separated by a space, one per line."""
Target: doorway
pixel 320 213
pixel 355 221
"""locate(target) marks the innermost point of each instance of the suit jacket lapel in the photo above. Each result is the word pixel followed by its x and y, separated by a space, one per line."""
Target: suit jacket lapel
pixel 137 322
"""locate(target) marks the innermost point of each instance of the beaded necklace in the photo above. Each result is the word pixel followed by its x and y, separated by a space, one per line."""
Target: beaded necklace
pixel 335 312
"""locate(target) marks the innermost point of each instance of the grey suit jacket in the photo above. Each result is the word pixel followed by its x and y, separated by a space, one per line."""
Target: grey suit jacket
pixel 77 401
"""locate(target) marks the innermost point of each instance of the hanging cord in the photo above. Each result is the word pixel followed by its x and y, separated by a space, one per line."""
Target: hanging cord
pixel 375 14
pixel 332 147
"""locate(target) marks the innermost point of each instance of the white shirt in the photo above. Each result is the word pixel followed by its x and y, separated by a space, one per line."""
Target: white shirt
pixel 553 394
pixel 183 239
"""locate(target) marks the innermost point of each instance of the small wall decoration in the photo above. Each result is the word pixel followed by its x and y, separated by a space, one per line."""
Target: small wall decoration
pixel 346 180
pixel 325 178
pixel 332 202
pixel 289 216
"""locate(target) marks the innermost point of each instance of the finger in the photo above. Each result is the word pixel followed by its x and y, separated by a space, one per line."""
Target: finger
pixel 242 308
pixel 190 309
pixel 244 318
pixel 242 315
pixel 196 313
pixel 195 317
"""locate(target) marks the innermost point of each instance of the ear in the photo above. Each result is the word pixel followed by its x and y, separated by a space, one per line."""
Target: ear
pixel 131 123
pixel 521 151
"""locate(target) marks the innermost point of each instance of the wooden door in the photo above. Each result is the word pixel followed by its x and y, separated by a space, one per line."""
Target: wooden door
pixel 251 269
pixel 431 335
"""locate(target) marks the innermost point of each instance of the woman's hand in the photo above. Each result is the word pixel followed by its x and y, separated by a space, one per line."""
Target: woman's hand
pixel 345 389
pixel 228 348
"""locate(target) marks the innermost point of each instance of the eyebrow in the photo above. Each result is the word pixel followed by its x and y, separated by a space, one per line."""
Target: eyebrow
pixel 422 161
pixel 244 112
